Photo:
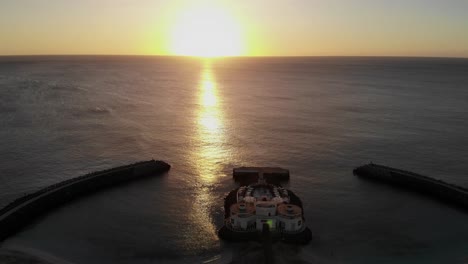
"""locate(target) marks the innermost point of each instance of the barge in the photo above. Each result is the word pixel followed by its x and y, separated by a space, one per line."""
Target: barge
pixel 262 205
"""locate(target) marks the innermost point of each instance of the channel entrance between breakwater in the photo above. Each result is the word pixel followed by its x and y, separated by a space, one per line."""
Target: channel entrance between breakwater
pixel 438 189
pixel 25 209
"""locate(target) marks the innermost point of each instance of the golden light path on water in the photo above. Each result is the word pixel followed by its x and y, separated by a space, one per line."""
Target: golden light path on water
pixel 209 153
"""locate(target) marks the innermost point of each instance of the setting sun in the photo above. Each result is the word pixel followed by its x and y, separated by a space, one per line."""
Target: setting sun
pixel 206 32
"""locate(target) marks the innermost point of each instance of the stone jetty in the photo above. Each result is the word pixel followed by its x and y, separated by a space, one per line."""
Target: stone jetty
pixel 23 210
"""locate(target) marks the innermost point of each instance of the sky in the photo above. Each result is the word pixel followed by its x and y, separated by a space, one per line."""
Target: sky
pixel 435 28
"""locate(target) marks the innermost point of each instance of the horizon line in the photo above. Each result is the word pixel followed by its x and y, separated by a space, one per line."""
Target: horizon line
pixel 221 57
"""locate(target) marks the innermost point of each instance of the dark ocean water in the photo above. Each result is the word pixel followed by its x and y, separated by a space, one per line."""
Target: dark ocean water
pixel 61 117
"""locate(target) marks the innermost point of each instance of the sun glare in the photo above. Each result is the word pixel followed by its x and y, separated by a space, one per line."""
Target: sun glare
pixel 206 32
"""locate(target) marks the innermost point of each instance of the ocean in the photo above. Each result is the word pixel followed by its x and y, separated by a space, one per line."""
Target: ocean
pixel 320 117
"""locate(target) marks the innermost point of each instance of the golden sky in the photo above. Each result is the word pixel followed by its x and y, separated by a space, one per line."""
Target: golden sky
pixel 235 27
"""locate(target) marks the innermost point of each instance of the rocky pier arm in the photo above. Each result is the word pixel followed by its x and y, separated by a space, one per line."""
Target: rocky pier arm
pixel 23 210
pixel 435 188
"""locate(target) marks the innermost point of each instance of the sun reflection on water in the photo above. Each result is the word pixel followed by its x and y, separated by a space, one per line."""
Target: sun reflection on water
pixel 208 154
pixel 209 113
pixel 211 152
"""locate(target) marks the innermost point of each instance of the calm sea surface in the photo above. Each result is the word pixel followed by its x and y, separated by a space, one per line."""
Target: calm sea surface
pixel 61 117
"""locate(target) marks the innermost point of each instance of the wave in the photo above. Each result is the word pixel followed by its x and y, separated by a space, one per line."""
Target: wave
pixel 21 255
pixel 100 110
